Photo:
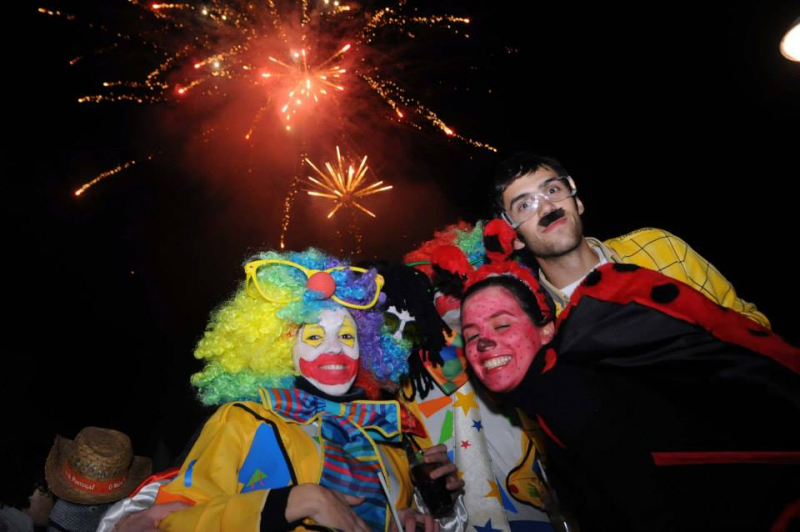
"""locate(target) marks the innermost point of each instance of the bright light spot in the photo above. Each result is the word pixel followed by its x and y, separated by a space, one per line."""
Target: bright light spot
pixel 790 44
pixel 78 193
pixel 156 6
pixel 198 65
pixel 399 113
pixel 216 64
pixel 266 75
pixel 288 128
pixel 224 17
pixel 205 11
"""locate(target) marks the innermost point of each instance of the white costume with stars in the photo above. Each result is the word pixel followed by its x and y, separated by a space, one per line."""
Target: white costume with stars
pixel 496 458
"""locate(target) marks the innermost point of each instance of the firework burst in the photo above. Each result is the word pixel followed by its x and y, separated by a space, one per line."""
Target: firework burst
pixel 313 74
pixel 344 184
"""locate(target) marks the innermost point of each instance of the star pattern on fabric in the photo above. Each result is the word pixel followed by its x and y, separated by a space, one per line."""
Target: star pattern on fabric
pixel 486 528
pixel 465 401
pixel 465 443
pixel 494 492
pixel 477 424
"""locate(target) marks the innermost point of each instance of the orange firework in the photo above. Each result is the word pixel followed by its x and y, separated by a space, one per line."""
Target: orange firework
pixel 206 48
pixel 344 184
pixel 307 82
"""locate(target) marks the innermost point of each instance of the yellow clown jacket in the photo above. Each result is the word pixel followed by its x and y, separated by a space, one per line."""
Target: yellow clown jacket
pixel 659 250
pixel 244 451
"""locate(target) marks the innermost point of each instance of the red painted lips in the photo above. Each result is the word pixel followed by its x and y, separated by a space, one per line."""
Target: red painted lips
pixel 329 368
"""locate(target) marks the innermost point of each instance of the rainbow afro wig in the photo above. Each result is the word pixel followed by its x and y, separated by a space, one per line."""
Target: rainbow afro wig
pixel 248 342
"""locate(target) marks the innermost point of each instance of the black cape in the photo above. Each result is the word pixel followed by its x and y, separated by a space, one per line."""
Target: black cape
pixel 665 411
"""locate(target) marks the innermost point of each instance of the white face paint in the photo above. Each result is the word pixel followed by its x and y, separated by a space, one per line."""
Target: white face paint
pixel 326 353
pixel 403 317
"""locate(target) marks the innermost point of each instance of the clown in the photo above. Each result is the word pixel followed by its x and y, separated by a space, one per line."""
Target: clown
pixel 663 411
pixel 294 443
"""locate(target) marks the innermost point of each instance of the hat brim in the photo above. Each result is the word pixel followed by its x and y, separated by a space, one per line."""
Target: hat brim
pixel 140 469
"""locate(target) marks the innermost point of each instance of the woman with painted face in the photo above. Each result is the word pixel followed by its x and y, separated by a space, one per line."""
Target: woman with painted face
pixel 662 410
pixel 295 444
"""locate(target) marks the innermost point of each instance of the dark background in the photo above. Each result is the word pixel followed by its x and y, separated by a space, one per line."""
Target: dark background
pixel 679 115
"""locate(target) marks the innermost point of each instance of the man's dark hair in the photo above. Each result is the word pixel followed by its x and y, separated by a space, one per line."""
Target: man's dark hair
pixel 526 299
pixel 518 165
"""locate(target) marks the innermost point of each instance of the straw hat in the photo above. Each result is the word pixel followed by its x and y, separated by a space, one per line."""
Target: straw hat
pixel 97 467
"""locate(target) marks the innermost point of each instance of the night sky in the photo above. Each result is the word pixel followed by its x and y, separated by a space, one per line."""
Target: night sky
pixel 672 115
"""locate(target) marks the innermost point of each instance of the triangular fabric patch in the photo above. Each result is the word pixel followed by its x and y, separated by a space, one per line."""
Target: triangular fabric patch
pixel 265 466
pixel 429 408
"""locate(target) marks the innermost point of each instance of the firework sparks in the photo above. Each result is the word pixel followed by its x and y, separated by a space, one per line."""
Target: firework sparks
pixel 307 82
pixel 344 184
pixel 117 169
pixel 318 72
pixel 219 48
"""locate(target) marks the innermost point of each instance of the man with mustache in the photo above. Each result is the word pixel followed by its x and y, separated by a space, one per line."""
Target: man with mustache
pixel 537 197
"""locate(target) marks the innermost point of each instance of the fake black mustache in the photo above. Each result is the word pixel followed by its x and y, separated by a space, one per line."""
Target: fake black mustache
pixel 551 217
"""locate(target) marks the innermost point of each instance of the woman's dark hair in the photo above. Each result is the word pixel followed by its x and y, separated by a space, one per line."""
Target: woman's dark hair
pixel 526 299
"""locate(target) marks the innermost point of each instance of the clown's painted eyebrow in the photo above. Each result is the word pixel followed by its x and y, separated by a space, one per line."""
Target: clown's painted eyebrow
pixel 493 316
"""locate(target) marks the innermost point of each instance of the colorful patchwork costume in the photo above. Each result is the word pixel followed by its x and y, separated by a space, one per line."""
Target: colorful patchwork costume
pixel 247 450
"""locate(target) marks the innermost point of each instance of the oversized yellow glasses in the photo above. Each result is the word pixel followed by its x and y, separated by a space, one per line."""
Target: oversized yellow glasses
pixel 318 280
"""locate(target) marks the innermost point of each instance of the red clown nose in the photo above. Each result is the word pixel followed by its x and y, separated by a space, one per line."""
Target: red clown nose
pixel 323 283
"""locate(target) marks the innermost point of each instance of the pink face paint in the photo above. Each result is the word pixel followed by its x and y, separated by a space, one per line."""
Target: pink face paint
pixel 330 369
pixel 501 340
